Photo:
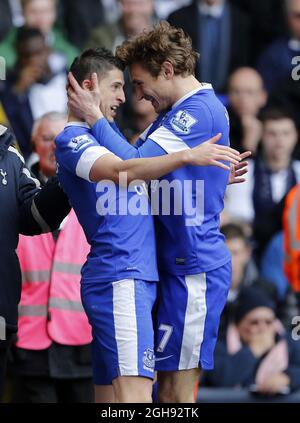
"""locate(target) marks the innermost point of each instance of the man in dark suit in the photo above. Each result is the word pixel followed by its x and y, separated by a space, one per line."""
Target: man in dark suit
pixel 6 18
pixel 221 33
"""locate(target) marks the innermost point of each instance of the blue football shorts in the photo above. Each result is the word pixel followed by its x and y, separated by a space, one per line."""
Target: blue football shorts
pixel 187 318
pixel 120 314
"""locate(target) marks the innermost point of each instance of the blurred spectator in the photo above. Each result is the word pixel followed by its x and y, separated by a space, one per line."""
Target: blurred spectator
pixel 31 89
pixel 143 115
pixel 271 175
pixel 3 117
pixel 111 10
pixel 41 14
pixel 220 33
pixel 292 240
pixel 6 18
pixel 80 18
pixel 275 64
pixel 267 22
pixel 257 353
pixel 246 99
pixel 16 12
pixel 136 15
pixel 163 8
pixel 244 274
pixel 51 359
pixel 287 96
pixel 272 265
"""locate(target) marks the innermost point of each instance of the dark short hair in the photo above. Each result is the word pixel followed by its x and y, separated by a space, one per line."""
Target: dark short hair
pixel 25 34
pixel 276 114
pixel 94 60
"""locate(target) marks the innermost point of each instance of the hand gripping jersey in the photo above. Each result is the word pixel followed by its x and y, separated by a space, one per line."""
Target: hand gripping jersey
pixel 189 240
pixel 122 244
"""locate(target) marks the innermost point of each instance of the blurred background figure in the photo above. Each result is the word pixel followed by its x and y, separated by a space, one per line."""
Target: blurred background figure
pixel 267 23
pixel 246 98
pixel 220 33
pixel 271 175
pixel 51 358
pixel 291 221
pixel 245 273
pixel 80 18
pixel 32 88
pixel 143 114
pixel 42 15
pixel 135 16
pixel 257 352
pixel 164 8
pixel 275 64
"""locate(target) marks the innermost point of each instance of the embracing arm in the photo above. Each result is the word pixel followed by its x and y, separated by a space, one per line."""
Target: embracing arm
pixel 112 168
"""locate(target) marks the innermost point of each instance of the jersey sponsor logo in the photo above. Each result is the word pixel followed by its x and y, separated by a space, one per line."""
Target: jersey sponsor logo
pixel 183 121
pixel 149 359
pixel 77 143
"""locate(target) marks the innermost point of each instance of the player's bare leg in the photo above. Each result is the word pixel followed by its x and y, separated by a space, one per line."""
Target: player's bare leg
pixel 177 386
pixel 104 394
pixel 134 389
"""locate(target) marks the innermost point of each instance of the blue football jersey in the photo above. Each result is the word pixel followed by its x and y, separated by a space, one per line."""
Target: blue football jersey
pixel 122 243
pixel 188 239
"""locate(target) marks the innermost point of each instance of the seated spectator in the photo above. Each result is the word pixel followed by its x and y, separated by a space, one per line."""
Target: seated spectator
pixel 41 14
pixel 271 175
pixel 6 18
pixel 287 96
pixel 257 350
pixel 31 89
pixel 143 114
pixel 267 23
pixel 136 15
pixel 245 273
pixel 247 97
pixel 272 264
pixel 51 358
pixel 220 32
pixel 275 64
pixel 163 8
pixel 80 18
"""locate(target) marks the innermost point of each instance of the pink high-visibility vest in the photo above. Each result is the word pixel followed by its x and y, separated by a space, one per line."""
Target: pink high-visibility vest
pixel 50 307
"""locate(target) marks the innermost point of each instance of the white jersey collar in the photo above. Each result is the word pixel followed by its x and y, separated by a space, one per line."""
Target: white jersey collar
pixel 204 86
pixel 81 124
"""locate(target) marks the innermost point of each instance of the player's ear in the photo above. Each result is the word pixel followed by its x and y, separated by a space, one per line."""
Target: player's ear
pixel 87 84
pixel 167 69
